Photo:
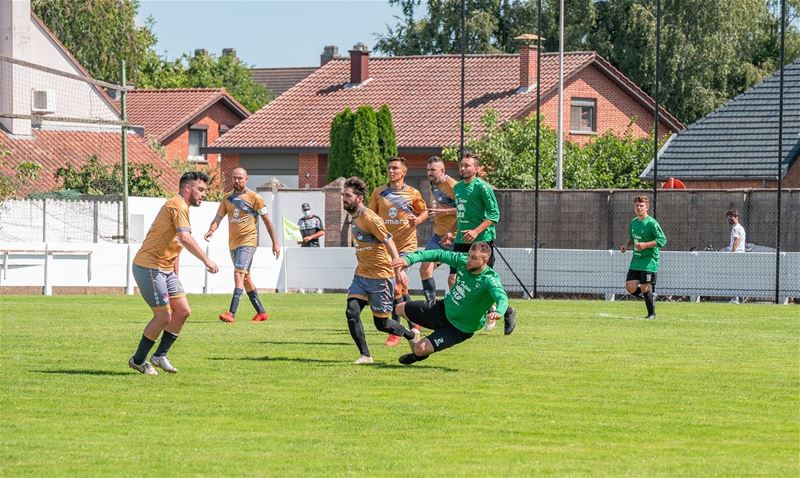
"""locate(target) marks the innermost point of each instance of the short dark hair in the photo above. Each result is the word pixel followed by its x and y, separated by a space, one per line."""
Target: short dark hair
pixel 358 186
pixel 192 176
pixel 399 159
pixel 733 213
pixel 469 154
pixel 643 199
pixel 435 159
pixel 482 247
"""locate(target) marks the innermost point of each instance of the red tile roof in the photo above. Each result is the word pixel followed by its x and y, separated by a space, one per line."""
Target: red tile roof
pixel 54 149
pixel 163 112
pixel 423 93
pixel 278 80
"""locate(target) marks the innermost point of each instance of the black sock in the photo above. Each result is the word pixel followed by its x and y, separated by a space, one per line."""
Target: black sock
pixel 391 326
pixel 256 301
pixel 237 295
pixel 396 301
pixel 650 302
pixel 429 289
pixel 637 292
pixel 408 359
pixel 167 339
pixel 145 345
pixel 353 314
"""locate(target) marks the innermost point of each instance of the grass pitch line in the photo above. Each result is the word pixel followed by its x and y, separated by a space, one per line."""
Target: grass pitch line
pixel 614 316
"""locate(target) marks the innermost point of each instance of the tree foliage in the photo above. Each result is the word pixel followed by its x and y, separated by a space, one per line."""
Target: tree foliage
pixel 508 151
pixel 361 141
pixel 711 50
pixel 24 173
pixel 96 178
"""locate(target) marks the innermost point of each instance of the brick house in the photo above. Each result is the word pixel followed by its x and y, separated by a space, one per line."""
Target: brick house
pixel 185 120
pixel 33 96
pixel 289 137
pixel 736 146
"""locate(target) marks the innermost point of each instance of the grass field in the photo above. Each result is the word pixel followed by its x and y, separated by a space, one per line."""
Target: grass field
pixel 580 389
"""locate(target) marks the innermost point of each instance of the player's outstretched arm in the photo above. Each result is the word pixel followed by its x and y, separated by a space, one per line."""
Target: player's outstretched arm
pixel 212 227
pixel 191 245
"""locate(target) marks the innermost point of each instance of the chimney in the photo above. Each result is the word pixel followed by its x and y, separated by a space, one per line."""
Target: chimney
pixel 359 64
pixel 527 61
pixel 201 52
pixel 229 51
pixel 329 52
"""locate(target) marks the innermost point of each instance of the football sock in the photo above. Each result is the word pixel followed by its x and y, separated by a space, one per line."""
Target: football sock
pixel 638 292
pixel 237 295
pixel 256 301
pixel 391 326
pixel 429 289
pixel 395 301
pixel 167 339
pixel 145 345
pixel 408 359
pixel 354 325
pixel 650 302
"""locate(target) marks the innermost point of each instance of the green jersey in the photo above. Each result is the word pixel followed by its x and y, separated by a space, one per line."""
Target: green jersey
pixel 475 202
pixel 471 295
pixel 645 231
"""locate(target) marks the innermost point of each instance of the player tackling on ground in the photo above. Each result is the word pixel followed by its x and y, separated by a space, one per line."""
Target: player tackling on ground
pixel 243 207
pixel 155 269
pixel 374 278
pixel 462 312
pixel 646 239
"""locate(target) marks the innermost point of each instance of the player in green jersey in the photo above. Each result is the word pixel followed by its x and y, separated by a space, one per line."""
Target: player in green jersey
pixel 462 312
pixel 645 241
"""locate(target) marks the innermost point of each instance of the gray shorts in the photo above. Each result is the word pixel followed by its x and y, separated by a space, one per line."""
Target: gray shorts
pixel 157 287
pixel 379 293
pixel 435 242
pixel 243 258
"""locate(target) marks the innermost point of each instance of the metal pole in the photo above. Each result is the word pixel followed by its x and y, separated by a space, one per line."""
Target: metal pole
pixel 655 114
pixel 538 141
pixel 560 143
pixel 124 117
pixel 463 71
pixel 780 158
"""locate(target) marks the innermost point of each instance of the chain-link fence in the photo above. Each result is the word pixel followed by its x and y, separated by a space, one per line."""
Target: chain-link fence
pixel 580 233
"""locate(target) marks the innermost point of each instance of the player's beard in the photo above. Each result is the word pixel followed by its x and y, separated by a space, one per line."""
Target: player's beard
pixel 238 189
pixel 350 207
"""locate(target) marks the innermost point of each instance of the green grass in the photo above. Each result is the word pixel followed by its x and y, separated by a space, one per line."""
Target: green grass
pixel 580 389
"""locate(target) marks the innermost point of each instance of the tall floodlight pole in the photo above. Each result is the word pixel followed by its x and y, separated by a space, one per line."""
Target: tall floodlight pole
pixel 655 114
pixel 560 143
pixel 780 158
pixel 538 141
pixel 463 72
pixel 124 118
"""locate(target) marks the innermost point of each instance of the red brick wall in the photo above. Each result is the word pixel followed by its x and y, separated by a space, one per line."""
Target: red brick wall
pixel 614 107
pixel 229 163
pixel 791 180
pixel 312 170
pixel 177 145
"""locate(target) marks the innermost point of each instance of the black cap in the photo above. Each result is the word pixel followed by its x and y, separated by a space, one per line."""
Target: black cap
pixel 305 206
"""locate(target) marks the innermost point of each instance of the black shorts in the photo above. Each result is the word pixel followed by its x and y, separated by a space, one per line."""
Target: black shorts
pixel 643 277
pixel 432 316
pixel 462 247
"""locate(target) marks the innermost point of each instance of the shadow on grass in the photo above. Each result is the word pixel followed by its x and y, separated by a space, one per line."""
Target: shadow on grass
pixel 267 358
pixel 415 366
pixel 99 373
pixel 289 342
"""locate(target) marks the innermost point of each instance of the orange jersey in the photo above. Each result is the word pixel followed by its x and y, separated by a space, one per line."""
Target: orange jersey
pixel 374 261
pixel 243 210
pixel 161 246
pixel 394 207
pixel 443 196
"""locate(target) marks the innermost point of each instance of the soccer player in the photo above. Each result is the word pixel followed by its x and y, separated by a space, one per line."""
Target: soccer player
pixel 477 212
pixel 373 281
pixel 646 239
pixel 243 206
pixel 443 212
pixel 401 207
pixel 155 269
pixel 463 310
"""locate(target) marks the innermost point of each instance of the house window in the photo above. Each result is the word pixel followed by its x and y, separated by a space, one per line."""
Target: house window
pixel 197 140
pixel 583 117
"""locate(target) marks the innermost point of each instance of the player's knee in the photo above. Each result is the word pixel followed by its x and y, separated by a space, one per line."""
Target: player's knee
pixel 380 324
pixel 645 288
pixel 401 310
pixel 353 311
pixel 631 287
pixel 423 347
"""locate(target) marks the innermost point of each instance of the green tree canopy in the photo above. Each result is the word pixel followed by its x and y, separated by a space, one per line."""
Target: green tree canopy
pixel 96 178
pixel 711 50
pixel 387 137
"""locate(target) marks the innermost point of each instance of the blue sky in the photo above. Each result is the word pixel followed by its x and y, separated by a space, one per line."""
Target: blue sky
pixel 267 33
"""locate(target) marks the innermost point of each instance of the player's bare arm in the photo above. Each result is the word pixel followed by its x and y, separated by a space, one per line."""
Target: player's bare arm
pixel 211 228
pixel 276 247
pixel 191 245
